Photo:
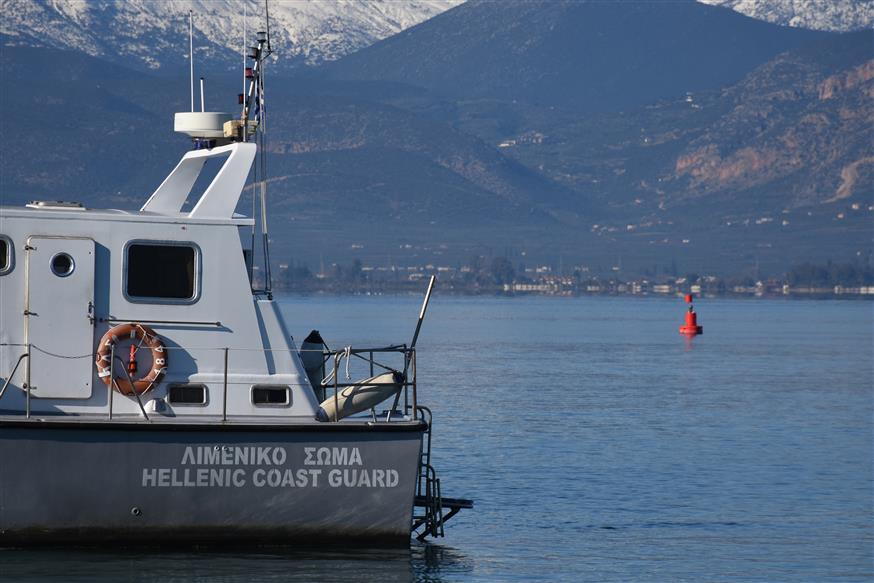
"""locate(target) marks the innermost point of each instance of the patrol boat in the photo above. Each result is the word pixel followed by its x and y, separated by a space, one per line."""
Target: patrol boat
pixel 150 389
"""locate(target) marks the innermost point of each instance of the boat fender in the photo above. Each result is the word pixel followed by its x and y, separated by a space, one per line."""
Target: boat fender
pixel 145 337
pixel 361 396
pixel 312 356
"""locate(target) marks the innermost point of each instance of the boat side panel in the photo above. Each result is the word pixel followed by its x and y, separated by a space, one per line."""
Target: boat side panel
pixel 205 485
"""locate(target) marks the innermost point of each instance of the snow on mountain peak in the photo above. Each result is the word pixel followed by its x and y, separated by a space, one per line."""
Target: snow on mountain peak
pixel 155 34
pixel 832 15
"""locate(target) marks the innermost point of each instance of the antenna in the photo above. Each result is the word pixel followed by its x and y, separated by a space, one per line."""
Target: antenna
pixel 267 18
pixel 202 107
pixel 191 53
pixel 245 17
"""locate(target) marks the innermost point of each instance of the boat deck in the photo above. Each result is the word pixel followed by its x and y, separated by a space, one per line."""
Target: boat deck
pixel 200 423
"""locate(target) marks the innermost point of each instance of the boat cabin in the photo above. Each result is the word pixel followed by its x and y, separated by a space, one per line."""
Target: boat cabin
pixel 69 275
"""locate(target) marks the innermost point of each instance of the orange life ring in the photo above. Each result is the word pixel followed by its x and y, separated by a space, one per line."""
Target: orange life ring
pixel 145 337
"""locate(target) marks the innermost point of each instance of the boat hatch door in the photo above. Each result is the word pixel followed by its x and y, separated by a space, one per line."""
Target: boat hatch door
pixel 59 325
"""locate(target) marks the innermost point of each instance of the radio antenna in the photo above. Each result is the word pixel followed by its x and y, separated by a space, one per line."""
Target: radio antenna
pixel 191 54
pixel 245 17
pixel 267 17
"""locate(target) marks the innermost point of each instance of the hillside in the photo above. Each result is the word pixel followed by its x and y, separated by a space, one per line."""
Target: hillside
pixel 799 130
pixel 789 130
pixel 585 56
pixel 779 165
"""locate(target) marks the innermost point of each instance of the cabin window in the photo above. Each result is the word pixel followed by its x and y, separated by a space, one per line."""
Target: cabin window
pixel 161 271
pixel 186 394
pixel 271 396
pixel 63 264
pixel 5 255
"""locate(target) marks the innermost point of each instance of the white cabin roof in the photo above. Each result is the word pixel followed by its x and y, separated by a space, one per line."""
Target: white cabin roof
pixel 119 215
pixel 215 206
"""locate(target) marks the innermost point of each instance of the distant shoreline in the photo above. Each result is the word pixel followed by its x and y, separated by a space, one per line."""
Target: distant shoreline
pixel 498 277
pixel 818 295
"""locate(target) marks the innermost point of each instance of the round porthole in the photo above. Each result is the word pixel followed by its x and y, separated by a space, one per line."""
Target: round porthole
pixel 63 265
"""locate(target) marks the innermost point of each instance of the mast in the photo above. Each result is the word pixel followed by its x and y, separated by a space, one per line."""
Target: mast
pixel 253 122
pixel 251 266
pixel 243 51
pixel 191 54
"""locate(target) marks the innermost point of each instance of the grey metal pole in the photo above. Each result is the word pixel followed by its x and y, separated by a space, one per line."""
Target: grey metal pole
pixel 336 390
pixel 423 310
pixel 409 354
pixel 109 387
pixel 225 389
pixel 191 53
pixel 27 406
pixel 415 404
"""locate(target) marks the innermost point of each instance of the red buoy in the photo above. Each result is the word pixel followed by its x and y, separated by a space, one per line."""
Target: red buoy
pixel 691 327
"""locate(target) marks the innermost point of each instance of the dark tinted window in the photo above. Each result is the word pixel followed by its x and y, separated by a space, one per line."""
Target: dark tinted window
pixel 270 395
pixel 187 394
pixel 4 254
pixel 160 271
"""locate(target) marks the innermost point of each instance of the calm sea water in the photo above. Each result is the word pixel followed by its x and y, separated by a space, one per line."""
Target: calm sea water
pixel 599 445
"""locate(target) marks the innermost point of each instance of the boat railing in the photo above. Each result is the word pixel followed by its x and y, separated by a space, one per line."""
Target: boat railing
pixel 25 355
pixel 407 387
pixel 219 362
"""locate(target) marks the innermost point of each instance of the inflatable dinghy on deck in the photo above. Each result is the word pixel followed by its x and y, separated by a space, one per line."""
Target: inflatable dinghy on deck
pixel 360 396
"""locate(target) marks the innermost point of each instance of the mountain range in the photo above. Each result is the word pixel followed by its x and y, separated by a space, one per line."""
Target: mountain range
pixel 647 134
pixel 153 35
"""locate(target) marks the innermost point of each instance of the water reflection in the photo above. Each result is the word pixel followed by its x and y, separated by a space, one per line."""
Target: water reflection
pixel 432 563
pixel 688 341
pixel 419 562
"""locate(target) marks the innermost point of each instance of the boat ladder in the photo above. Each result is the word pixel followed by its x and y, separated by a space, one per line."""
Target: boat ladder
pixel 429 502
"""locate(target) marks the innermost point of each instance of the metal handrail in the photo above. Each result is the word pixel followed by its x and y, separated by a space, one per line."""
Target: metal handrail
pixel 368 355
pixel 392 349
pixel 159 322
pixel 426 411
pixel 12 374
